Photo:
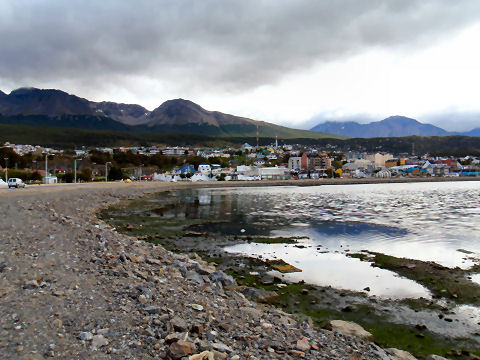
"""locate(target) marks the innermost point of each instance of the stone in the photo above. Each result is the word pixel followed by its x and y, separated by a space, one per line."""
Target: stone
pixel 222 347
pixel 197 329
pixel 400 354
pixel 181 348
pixel 174 337
pixel 303 345
pixel 349 328
pixel 251 312
pixel 435 357
pixel 153 261
pixel 134 258
pixel 85 336
pixel 57 323
pixel 204 355
pixel 195 277
pixel 153 309
pixel 226 280
pixel 179 324
pixel 98 341
pixel 145 291
pixel 297 353
pixel 258 294
pixel 217 355
pixel 204 270
pixel 32 284
pixel 420 327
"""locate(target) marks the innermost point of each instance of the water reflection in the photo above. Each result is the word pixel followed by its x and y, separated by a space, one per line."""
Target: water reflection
pixel 335 269
pixel 424 221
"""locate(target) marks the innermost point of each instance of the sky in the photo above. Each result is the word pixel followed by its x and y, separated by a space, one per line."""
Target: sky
pixel 295 63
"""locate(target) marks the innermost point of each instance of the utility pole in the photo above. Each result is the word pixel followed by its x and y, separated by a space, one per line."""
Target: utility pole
pixel 106 170
pixel 6 169
pixel 75 162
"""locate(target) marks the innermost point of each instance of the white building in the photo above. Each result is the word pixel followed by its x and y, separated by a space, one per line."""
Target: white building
pixel 204 169
pixel 273 173
pixel 295 163
pixel 384 173
pixel 50 180
pixel 379 159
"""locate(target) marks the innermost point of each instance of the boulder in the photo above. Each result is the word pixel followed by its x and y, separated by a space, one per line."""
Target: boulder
pixel 435 357
pixel 195 277
pixel 181 348
pixel 202 356
pixel 396 354
pixel 258 294
pixel 349 328
pixel 224 279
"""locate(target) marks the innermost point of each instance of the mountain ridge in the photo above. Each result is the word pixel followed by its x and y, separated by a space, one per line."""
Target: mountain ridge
pixel 393 126
pixel 52 107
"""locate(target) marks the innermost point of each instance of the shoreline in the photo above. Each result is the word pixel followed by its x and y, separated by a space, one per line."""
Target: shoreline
pixel 73 287
pixel 149 186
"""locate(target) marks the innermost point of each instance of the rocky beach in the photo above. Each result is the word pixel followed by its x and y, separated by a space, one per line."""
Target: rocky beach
pixel 71 287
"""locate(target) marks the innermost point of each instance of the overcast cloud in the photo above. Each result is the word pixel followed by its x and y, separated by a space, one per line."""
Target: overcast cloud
pixel 219 52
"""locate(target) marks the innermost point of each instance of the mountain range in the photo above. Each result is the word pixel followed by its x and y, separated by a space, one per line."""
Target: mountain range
pixel 393 126
pixel 49 107
pixel 56 108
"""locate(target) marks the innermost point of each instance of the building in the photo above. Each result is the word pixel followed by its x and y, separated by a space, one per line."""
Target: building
pixel 384 173
pixel 378 159
pixel 304 161
pixel 294 163
pixel 320 162
pixel 273 173
pixel 204 169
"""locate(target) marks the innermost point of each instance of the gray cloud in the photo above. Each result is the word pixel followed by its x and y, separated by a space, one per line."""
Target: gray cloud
pixel 454 120
pixel 207 46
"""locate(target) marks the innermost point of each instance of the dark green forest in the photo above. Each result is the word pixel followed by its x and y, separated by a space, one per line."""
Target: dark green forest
pixel 69 138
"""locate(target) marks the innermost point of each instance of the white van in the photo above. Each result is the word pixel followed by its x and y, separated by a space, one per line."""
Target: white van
pixel 16 183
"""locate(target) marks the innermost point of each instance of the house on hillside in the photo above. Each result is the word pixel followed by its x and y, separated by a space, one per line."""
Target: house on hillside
pixel 204 169
pixel 187 168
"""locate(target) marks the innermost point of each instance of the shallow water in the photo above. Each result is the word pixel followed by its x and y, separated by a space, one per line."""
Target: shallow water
pixel 424 221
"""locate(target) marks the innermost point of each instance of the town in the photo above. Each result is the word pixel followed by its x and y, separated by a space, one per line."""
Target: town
pixel 37 164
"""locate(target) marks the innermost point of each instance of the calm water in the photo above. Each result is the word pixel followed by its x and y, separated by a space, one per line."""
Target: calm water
pixel 424 221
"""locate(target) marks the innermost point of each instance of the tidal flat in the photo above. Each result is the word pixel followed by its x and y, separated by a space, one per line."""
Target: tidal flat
pixel 352 248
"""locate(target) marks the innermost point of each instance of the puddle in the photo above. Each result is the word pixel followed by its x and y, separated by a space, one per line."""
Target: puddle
pixel 334 269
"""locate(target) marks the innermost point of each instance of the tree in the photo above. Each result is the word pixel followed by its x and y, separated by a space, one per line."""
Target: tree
pixel 99 157
pixel 115 173
pixel 68 177
pixel 35 176
pixel 85 175
pixel 338 164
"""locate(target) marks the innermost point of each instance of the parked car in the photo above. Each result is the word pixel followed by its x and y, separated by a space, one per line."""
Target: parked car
pixel 16 183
